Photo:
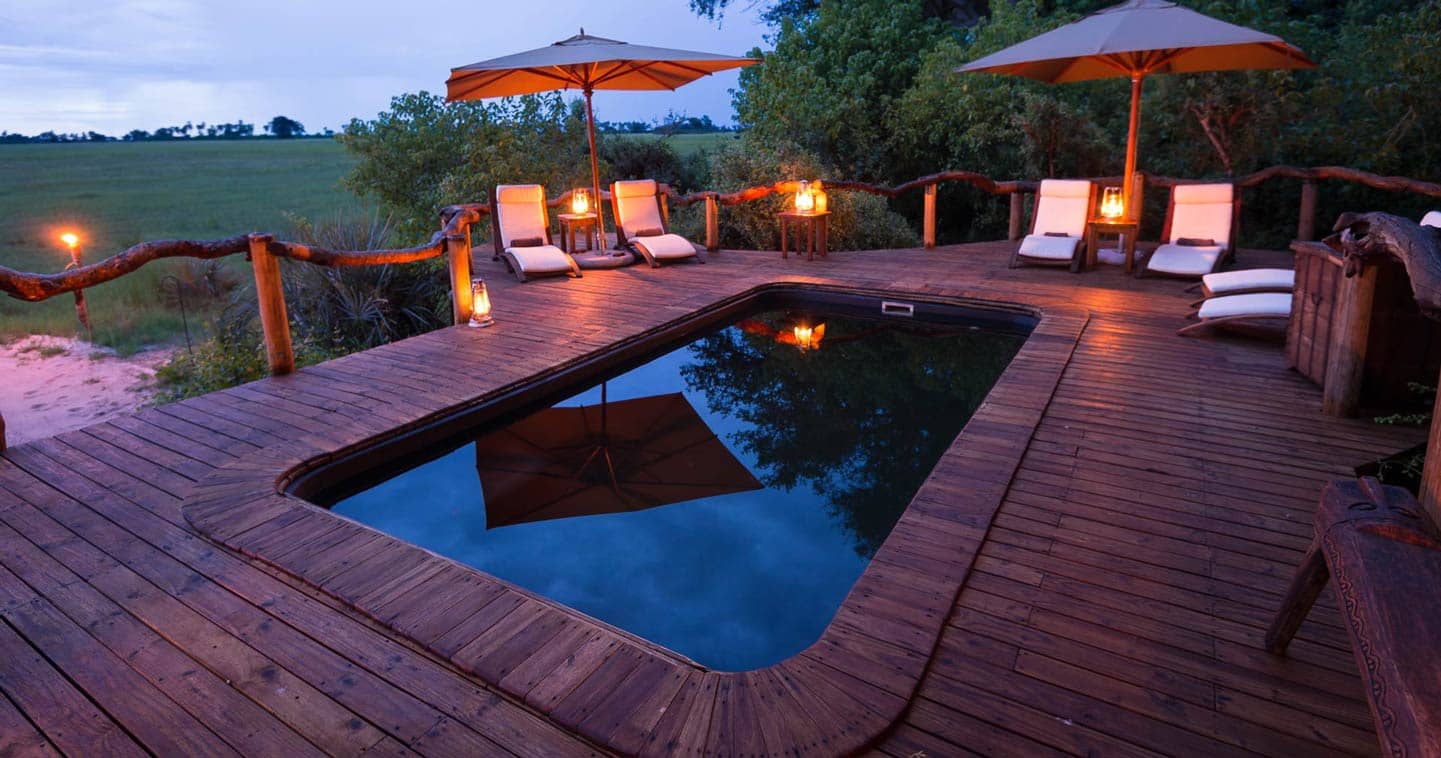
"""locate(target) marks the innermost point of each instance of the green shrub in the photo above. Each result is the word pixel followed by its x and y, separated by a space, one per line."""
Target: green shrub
pixel 332 311
pixel 859 221
pixel 631 158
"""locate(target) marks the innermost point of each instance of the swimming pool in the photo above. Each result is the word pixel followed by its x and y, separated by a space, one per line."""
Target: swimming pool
pixel 719 497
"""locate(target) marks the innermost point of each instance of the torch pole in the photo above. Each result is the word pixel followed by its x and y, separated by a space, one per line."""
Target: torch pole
pixel 81 311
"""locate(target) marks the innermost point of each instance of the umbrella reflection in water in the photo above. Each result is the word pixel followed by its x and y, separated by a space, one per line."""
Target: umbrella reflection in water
pixel 629 455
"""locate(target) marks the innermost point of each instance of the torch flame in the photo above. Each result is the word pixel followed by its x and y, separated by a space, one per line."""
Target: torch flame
pixel 70 239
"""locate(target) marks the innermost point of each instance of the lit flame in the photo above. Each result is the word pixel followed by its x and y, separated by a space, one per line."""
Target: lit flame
pixel 70 239
pixel 1112 203
pixel 805 197
pixel 580 201
pixel 480 304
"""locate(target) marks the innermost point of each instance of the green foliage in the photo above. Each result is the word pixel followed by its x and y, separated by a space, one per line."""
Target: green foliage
pixel 631 158
pixel 425 153
pixel 859 221
pixel 332 311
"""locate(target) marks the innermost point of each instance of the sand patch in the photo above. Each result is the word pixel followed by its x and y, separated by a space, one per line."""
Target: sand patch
pixel 50 385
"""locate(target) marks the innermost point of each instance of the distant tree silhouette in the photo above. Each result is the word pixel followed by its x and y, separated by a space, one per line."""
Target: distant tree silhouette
pixel 281 127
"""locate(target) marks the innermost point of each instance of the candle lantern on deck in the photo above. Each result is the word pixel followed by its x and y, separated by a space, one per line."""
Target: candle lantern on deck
pixel 805 198
pixel 580 201
pixel 480 304
pixel 1113 204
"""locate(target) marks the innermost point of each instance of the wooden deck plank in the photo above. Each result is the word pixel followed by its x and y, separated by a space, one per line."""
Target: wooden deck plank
pixel 1115 606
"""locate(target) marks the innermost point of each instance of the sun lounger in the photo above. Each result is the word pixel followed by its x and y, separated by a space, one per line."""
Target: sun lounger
pixel 1248 280
pixel 1058 225
pixel 1233 309
pixel 522 233
pixel 640 223
pixel 1199 232
pixel 1432 218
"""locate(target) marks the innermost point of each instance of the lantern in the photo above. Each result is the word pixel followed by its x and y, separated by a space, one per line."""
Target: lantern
pixel 1113 205
pixel 821 203
pixel 805 199
pixel 480 304
pixel 580 201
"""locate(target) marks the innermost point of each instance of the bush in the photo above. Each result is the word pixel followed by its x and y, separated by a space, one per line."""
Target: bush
pixel 642 157
pixel 859 221
pixel 332 311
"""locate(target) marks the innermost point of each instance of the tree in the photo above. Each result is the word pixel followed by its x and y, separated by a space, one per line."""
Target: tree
pixel 281 127
pixel 424 153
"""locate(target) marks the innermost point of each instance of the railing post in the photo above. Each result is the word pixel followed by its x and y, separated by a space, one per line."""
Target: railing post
pixel 928 227
pixel 268 292
pixel 1306 226
pixel 712 223
pixel 1346 361
pixel 1018 209
pixel 2 432
pixel 457 252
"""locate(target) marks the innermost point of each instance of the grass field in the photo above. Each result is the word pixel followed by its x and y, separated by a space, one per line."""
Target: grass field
pixel 117 194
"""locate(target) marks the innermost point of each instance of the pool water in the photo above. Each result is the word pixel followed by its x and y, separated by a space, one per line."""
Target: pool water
pixel 730 494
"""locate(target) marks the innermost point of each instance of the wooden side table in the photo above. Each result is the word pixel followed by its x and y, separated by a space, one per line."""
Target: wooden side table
pixel 1126 231
pixel 570 223
pixel 815 226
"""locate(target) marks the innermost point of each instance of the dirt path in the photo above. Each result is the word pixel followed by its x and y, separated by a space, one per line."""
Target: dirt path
pixel 50 385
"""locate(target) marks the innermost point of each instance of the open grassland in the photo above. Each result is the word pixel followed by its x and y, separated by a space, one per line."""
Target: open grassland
pixel 117 194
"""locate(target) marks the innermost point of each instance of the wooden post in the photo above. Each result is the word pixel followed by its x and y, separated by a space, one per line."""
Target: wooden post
pixel 712 223
pixel 1431 470
pixel 2 432
pixel 1018 210
pixel 271 297
pixel 1346 365
pixel 928 228
pixel 1306 225
pixel 457 252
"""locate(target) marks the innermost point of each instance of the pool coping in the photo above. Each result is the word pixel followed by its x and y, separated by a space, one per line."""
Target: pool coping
pixel 838 695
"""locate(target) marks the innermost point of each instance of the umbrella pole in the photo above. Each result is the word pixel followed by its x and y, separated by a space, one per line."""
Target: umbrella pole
pixel 594 169
pixel 1126 179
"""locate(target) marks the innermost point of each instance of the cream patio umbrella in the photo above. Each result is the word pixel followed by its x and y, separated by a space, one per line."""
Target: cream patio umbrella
pixel 586 63
pixel 1136 39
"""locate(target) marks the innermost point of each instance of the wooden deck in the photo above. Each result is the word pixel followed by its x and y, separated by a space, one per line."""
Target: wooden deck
pixel 1116 604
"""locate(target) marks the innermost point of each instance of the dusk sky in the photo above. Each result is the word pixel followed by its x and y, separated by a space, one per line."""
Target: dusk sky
pixel 116 65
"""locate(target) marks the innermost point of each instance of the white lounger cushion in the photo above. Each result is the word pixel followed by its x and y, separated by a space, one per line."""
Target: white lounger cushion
pixel 636 205
pixel 1275 279
pixel 666 246
pixel 1049 248
pixel 1182 260
pixel 520 212
pixel 545 259
pixel 1203 211
pixel 1255 304
pixel 1061 207
pixel 1432 218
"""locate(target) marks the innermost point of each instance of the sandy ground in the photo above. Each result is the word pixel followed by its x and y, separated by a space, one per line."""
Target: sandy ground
pixel 50 385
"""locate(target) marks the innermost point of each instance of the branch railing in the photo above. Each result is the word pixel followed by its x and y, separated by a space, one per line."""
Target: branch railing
pixel 453 240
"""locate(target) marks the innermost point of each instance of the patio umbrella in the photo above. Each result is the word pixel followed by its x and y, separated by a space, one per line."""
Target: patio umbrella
pixel 586 63
pixel 624 456
pixel 1136 39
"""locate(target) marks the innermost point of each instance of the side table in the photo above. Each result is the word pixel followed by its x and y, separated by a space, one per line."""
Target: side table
pixel 1126 231
pixel 816 227
pixel 570 223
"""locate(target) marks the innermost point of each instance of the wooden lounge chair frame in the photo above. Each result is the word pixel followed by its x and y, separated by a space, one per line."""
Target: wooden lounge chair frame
pixel 623 241
pixel 510 262
pixel 1078 259
pixel 1228 254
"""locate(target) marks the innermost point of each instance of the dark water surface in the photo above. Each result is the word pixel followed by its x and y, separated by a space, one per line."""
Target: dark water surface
pixel 789 468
